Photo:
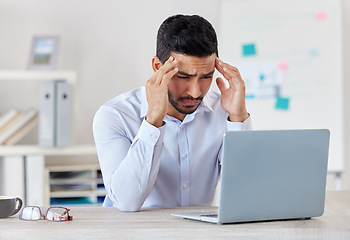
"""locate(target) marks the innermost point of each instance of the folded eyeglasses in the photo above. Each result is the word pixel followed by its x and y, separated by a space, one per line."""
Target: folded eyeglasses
pixel 55 214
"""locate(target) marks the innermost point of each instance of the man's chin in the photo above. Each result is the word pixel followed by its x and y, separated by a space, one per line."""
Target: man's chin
pixel 187 109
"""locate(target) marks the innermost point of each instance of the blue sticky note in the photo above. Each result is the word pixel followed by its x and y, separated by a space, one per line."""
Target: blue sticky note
pixel 282 103
pixel 249 96
pixel 262 77
pixel 249 50
pixel 314 52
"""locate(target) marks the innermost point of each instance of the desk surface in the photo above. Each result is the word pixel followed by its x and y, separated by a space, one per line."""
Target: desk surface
pixel 157 223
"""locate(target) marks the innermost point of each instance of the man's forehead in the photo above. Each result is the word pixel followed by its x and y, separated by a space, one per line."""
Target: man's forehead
pixel 188 57
pixel 194 65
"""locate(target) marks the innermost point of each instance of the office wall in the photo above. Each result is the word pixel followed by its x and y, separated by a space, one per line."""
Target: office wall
pixel 346 175
pixel 109 43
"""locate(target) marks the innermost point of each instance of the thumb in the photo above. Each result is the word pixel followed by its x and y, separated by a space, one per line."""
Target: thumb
pixel 221 84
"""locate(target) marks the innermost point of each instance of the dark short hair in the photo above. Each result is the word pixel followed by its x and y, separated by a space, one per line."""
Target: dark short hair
pixel 188 35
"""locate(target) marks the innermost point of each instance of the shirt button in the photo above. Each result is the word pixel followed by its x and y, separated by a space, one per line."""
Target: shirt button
pixel 185 185
pixel 148 164
pixel 154 136
pixel 184 155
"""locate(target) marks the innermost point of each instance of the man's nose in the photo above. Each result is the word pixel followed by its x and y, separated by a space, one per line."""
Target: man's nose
pixel 194 89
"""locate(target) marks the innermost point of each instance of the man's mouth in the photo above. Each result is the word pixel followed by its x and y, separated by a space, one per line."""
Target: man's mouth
pixel 190 102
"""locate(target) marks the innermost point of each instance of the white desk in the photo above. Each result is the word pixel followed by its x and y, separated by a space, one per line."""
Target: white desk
pixel 157 223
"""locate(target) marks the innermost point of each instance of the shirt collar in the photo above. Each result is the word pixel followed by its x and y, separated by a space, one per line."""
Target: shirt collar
pixel 206 104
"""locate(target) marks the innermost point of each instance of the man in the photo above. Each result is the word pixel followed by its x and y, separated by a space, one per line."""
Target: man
pixel 160 145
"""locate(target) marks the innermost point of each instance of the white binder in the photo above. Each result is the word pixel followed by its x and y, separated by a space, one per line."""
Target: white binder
pixel 55 114
pixel 46 134
pixel 63 113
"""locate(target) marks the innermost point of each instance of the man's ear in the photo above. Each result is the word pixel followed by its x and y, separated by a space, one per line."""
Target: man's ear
pixel 156 63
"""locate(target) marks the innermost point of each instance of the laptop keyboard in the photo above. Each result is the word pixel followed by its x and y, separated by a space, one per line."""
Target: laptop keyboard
pixel 213 215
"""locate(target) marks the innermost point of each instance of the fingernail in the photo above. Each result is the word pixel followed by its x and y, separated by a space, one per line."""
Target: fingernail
pixel 171 58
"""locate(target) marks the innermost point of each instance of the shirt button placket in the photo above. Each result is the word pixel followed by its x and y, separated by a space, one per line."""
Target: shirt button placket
pixel 184 164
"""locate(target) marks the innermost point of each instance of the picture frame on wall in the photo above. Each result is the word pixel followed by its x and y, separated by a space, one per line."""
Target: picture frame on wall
pixel 43 53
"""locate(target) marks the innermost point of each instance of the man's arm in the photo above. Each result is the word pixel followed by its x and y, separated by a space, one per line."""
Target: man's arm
pixel 129 166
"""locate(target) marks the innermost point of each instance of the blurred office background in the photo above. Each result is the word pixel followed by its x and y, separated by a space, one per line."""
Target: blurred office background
pixel 110 44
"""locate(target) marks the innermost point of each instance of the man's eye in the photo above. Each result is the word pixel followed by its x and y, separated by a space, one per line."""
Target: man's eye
pixel 183 77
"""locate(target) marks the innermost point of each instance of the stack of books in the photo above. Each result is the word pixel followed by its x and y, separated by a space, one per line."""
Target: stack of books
pixel 14 125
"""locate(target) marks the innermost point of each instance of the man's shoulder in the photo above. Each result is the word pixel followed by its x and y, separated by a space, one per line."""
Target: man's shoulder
pixel 133 97
pixel 128 104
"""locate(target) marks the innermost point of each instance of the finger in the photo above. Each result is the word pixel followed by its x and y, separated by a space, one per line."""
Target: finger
pixel 169 65
pixel 221 85
pixel 224 68
pixel 153 79
pixel 231 73
pixel 218 65
pixel 168 76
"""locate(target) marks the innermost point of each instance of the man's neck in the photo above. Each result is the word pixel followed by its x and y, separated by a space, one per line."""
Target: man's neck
pixel 174 113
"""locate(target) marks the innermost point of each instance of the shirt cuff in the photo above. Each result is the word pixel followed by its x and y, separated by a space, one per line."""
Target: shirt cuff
pixel 151 134
pixel 240 126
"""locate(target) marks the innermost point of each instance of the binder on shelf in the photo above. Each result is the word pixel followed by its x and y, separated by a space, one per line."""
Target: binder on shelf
pixel 63 114
pixel 18 125
pixel 46 134
pixel 55 114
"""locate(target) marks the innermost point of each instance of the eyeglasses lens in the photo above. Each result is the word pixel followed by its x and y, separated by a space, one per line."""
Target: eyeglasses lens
pixel 57 214
pixel 30 213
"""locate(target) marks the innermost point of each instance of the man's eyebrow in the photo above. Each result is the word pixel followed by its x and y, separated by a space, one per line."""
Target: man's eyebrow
pixel 208 74
pixel 192 75
pixel 186 74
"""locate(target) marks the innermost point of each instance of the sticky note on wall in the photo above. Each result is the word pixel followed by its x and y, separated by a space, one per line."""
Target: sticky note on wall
pixel 282 103
pixel 283 66
pixel 321 15
pixel 248 49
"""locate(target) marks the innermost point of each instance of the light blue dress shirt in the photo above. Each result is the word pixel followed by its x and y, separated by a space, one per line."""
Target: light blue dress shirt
pixel 174 165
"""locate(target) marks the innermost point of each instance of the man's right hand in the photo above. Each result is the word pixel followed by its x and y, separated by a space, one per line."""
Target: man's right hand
pixel 157 92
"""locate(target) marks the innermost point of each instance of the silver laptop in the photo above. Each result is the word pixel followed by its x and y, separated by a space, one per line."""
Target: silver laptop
pixel 271 175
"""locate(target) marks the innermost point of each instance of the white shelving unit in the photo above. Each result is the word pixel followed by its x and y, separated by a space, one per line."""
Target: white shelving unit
pixel 29 75
pixel 25 174
pixel 23 171
pixel 78 184
pixel 25 150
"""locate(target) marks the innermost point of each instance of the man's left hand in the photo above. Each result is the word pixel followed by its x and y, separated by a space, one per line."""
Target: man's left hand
pixel 232 97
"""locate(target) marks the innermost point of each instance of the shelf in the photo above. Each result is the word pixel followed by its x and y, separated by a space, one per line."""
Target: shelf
pixel 22 150
pixel 101 192
pixel 74 183
pixel 71 194
pixel 28 75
